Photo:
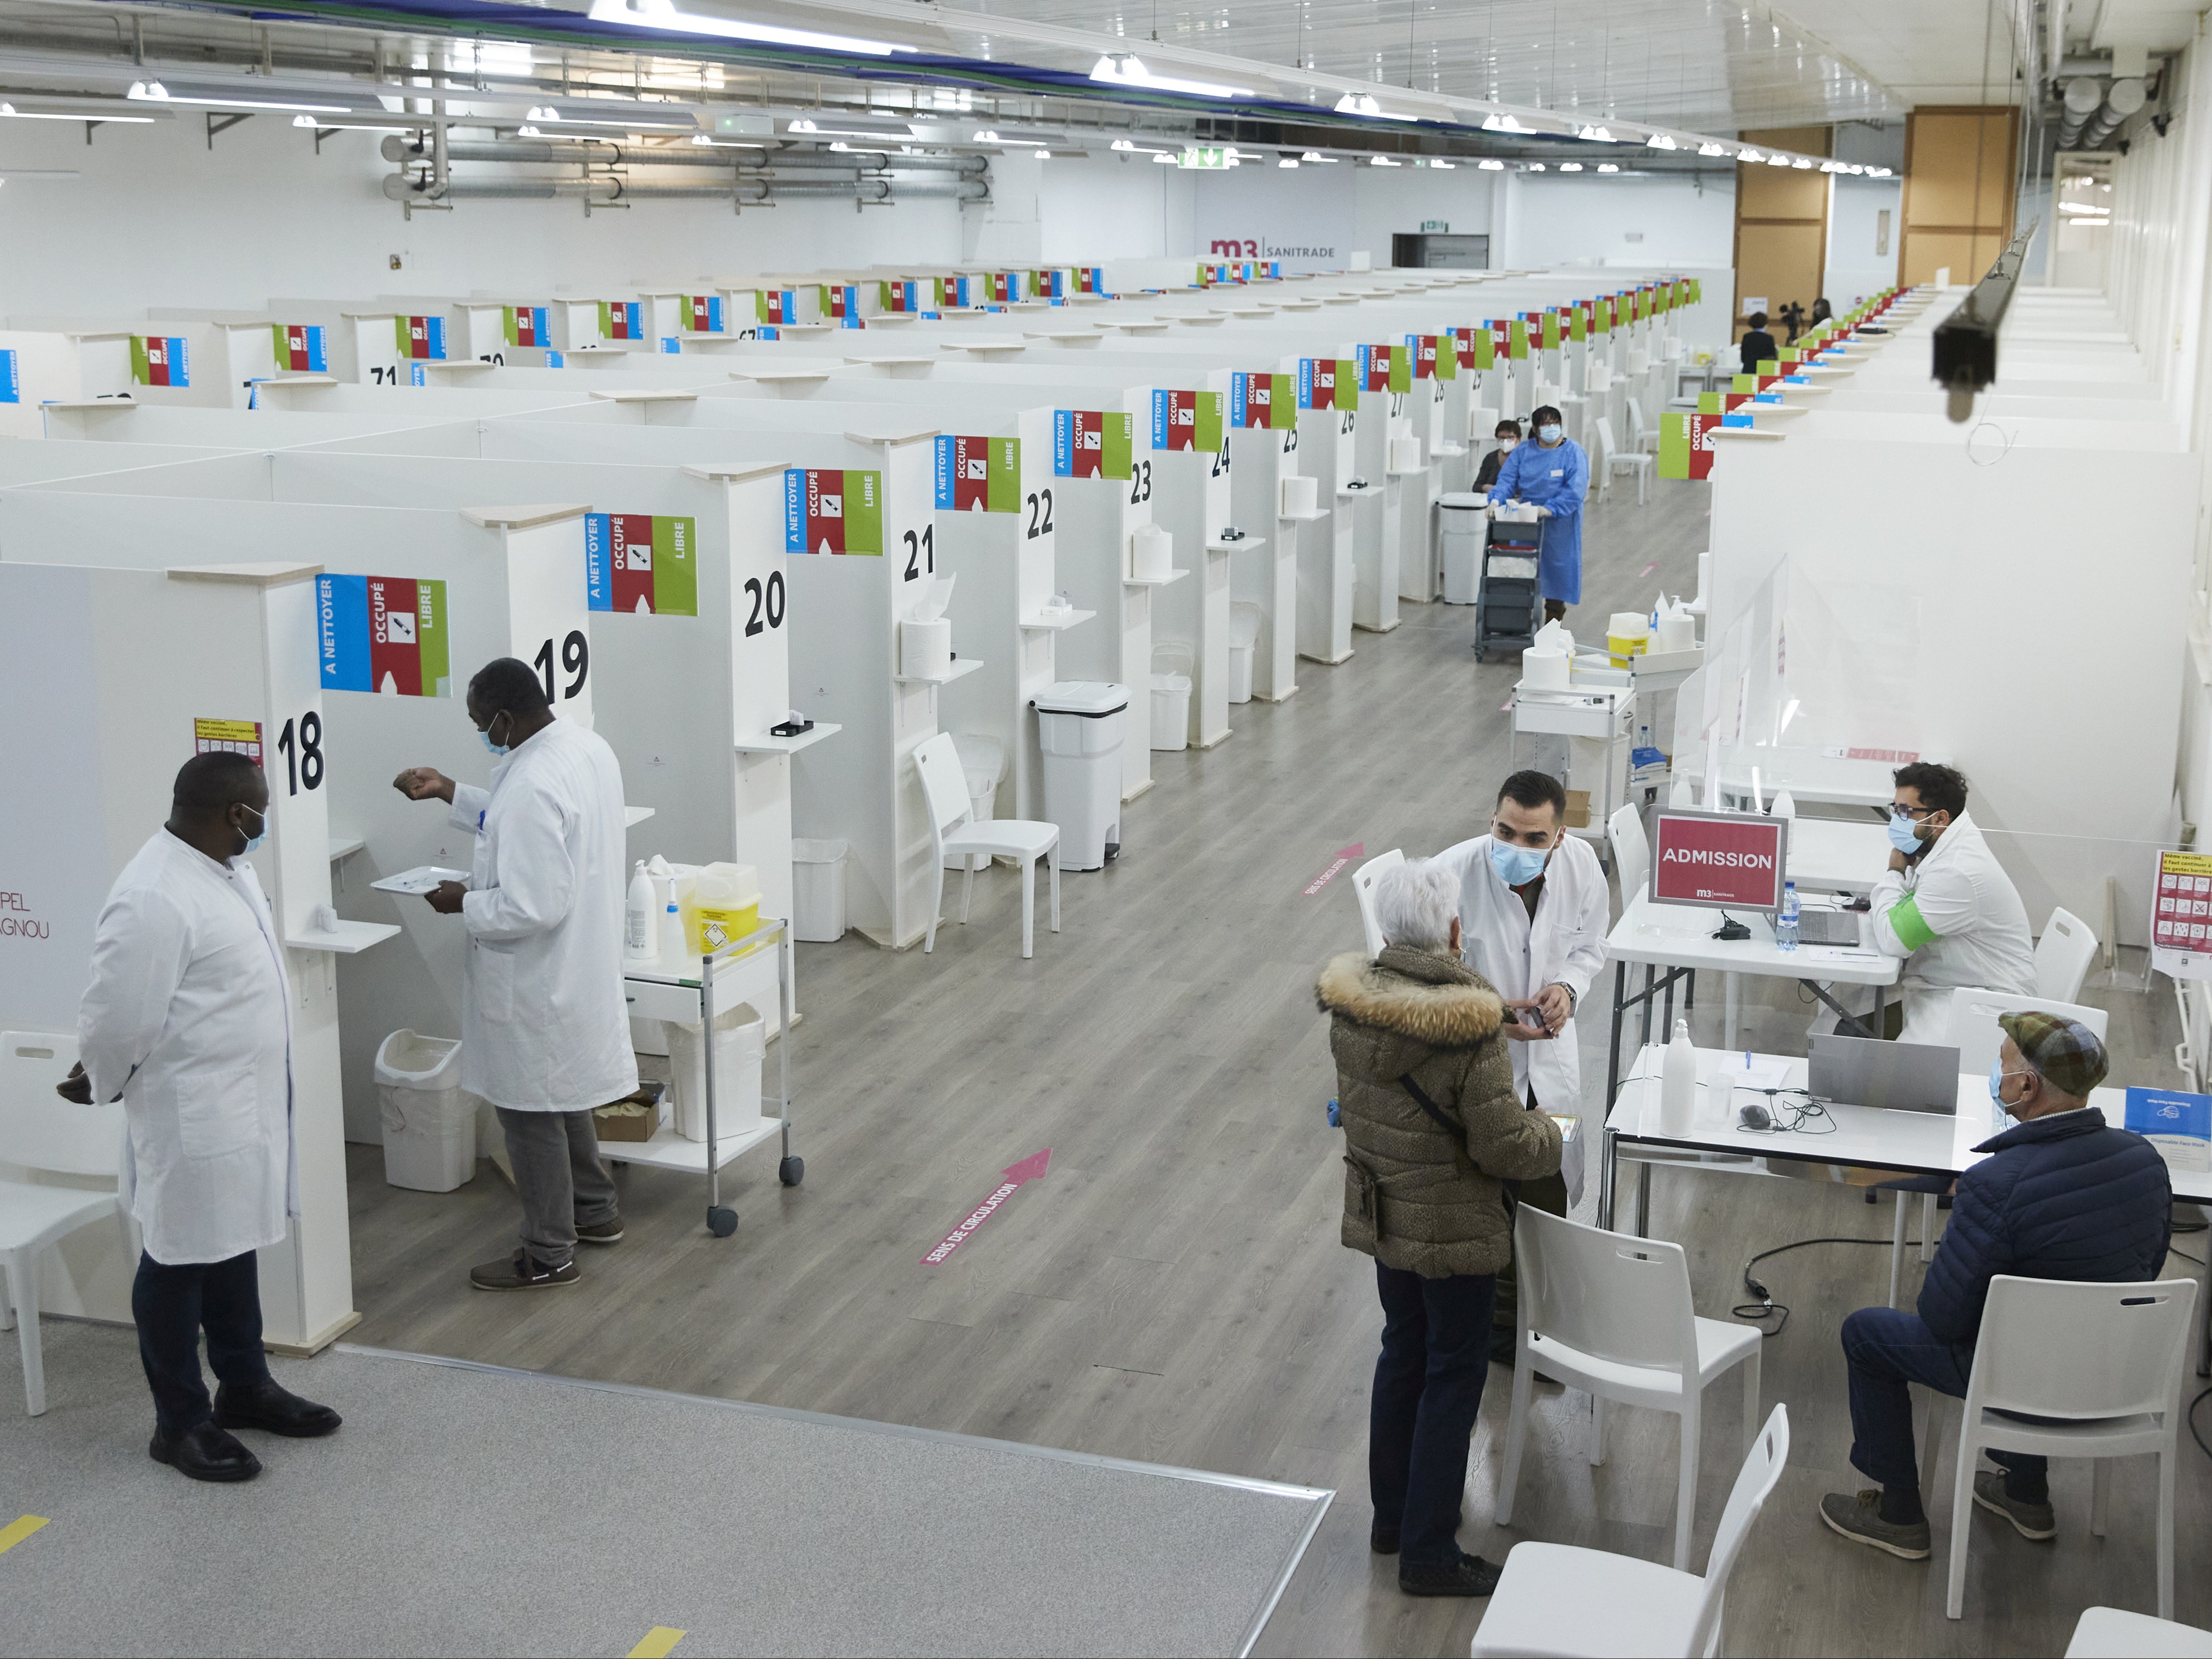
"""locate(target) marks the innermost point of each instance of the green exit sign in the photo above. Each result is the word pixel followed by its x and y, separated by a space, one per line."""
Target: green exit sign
pixel 1434 224
pixel 1207 158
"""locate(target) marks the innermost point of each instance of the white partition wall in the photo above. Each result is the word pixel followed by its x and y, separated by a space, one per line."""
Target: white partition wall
pixel 127 674
pixel 1188 482
pixel 1328 418
pixel 35 369
pixel 1376 504
pixel 1261 408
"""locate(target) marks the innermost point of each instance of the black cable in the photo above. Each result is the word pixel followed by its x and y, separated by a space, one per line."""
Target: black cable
pixel 2184 1254
pixel 2191 1414
pixel 1767 1306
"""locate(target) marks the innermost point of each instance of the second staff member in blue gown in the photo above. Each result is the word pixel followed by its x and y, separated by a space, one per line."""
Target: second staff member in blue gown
pixel 1551 472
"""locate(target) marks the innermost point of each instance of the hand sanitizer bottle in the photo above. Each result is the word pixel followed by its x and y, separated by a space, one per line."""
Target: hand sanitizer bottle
pixel 1678 1083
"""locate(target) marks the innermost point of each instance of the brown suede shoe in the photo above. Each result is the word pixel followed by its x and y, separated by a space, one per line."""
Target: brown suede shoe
pixel 609 1231
pixel 522 1271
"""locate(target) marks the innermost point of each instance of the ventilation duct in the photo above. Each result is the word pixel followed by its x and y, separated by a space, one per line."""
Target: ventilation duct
pixel 607 192
pixel 599 152
pixel 2084 93
pixel 2125 98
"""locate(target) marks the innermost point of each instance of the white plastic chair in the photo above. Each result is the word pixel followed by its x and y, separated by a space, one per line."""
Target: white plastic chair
pixel 1610 1314
pixel 1362 888
pixel 953 832
pixel 2111 1633
pixel 1558 1599
pixel 1615 460
pixel 2117 1374
pixel 40 1131
pixel 1631 852
pixel 2063 956
pixel 1641 438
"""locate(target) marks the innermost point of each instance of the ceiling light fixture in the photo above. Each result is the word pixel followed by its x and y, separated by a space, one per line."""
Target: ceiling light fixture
pixel 1595 134
pixel 1778 161
pixel 528 132
pixel 1802 163
pixel 1570 166
pixel 544 113
pixel 1749 156
pixel 1359 103
pixel 1122 143
pixel 1607 167
pixel 1710 150
pixel 1289 162
pixel 1659 141
pixel 8 111
pixel 663 14
pixel 1447 166
pixel 1536 166
pixel 153 92
pixel 1165 158
pixel 1492 165
pixel 1877 173
pixel 1124 69
pixel 1503 124
pixel 986 136
pixel 1384 161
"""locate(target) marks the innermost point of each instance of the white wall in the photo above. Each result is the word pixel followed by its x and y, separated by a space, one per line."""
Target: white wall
pixel 1125 207
pixel 156 218
pixel 1855 270
pixel 1585 218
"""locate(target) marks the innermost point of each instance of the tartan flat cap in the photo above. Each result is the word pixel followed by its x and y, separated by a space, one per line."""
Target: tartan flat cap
pixel 2065 1051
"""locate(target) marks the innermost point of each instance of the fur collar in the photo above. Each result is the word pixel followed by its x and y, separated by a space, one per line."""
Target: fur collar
pixel 1428 998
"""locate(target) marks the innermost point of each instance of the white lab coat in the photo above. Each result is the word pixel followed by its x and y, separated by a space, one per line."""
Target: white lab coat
pixel 189 1017
pixel 1962 896
pixel 1563 945
pixel 544 1022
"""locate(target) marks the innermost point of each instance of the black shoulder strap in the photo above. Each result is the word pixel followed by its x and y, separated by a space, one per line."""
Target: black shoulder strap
pixel 1421 1099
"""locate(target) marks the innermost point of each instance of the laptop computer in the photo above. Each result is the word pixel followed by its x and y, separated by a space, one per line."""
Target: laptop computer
pixel 1895 1076
pixel 1825 926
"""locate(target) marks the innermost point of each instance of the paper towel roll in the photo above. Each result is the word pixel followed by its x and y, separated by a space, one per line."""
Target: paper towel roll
pixel 926 648
pixel 1704 574
pixel 1300 494
pixel 1544 671
pixel 1677 632
pixel 1151 554
pixel 1405 454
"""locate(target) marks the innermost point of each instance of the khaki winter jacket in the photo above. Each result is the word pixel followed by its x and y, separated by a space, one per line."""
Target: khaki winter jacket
pixel 1443 1210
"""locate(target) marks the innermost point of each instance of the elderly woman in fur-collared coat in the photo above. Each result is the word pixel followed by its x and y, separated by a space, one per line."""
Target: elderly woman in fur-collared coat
pixel 1432 1131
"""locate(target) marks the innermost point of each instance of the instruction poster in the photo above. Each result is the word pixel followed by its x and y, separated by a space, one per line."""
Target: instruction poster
pixel 2181 915
pixel 1090 443
pixel 621 320
pixel 227 738
pixel 299 346
pixel 1328 383
pixel 979 475
pixel 156 359
pixel 423 337
pixel 1187 420
pixel 826 510
pixel 643 562
pixel 11 379
pixel 702 314
pixel 384 634
pixel 1261 400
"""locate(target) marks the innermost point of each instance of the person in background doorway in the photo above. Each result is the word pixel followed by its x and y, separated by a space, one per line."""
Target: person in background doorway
pixel 2061 1195
pixel 544 1024
pixel 1433 1129
pixel 1758 346
pixel 1533 906
pixel 1552 473
pixel 188 1018
pixel 1509 438
pixel 1822 312
pixel 1946 905
pixel 1793 319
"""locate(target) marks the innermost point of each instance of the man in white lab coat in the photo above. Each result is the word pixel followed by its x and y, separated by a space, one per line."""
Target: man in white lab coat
pixel 1946 906
pixel 544 1022
pixel 188 1018
pixel 1532 911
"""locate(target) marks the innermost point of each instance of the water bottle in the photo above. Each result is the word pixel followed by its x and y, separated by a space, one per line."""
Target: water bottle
pixel 1785 925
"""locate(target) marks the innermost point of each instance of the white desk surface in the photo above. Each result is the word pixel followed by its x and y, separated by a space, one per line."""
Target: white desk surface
pixel 1679 936
pixel 1837 854
pixel 1909 1142
pixel 1807 773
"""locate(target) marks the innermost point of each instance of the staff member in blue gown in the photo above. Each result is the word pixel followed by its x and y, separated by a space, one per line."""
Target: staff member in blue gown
pixel 1551 473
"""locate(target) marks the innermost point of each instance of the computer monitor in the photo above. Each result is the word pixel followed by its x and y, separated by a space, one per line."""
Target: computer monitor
pixel 1897 1077
pixel 1718 860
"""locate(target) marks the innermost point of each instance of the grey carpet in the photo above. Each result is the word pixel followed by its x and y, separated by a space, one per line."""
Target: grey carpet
pixel 468 1511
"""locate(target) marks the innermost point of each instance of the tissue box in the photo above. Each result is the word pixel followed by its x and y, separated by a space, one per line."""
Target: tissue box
pixel 1578 816
pixel 926 648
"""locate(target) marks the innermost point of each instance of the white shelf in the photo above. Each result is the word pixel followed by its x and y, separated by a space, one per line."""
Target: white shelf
pixel 1346 494
pixel 1048 622
pixel 634 815
pixel 345 847
pixel 1449 449
pixel 347 939
pixel 775 746
pixel 1307 518
pixel 961 666
pixel 668 1151
pixel 1154 581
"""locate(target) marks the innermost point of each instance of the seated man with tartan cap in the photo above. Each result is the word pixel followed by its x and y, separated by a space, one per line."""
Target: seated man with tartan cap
pixel 2061 1195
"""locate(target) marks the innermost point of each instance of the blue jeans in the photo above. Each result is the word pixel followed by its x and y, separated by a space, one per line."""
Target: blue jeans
pixel 1428 1388
pixel 1888 1348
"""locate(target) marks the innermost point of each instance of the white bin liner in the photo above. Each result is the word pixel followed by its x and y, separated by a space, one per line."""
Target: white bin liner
pixel 429 1119
pixel 1243 645
pixel 818 890
pixel 740 1045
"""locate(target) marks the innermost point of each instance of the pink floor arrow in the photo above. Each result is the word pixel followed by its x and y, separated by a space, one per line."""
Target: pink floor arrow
pixel 1344 856
pixel 1029 1169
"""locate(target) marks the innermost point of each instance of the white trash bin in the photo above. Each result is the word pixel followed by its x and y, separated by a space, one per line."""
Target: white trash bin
pixel 1243 647
pixel 1465 527
pixel 983 763
pixel 1170 689
pixel 1079 730
pixel 818 890
pixel 740 1046
pixel 429 1119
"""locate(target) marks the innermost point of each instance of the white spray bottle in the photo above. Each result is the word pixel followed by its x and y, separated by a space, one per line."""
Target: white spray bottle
pixel 1678 1083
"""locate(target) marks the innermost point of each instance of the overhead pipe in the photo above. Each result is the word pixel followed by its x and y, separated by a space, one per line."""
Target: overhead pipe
pixel 2084 93
pixel 2125 98
pixel 603 152
pixel 406 187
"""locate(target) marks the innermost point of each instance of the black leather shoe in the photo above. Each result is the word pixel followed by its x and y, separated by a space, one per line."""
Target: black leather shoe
pixel 205 1453
pixel 1383 1541
pixel 275 1408
pixel 1469 1576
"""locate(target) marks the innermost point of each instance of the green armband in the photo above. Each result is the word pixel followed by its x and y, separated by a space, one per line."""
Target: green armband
pixel 1905 921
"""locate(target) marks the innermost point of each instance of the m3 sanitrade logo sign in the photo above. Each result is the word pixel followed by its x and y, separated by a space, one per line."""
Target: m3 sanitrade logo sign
pixel 159 360
pixel 644 562
pixel 1187 420
pixel 979 475
pixel 1091 443
pixel 1262 400
pixel 299 346
pixel 526 326
pixel 826 510
pixel 420 338
pixel 384 634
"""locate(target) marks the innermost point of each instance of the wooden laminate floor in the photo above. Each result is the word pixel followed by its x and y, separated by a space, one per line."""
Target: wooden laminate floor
pixel 1173 1290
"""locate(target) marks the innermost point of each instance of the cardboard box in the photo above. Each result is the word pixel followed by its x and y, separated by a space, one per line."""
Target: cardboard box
pixel 1578 809
pixel 634 1117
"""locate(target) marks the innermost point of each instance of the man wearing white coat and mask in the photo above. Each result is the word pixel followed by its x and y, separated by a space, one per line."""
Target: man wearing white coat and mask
pixel 1533 909
pixel 188 1018
pixel 544 1023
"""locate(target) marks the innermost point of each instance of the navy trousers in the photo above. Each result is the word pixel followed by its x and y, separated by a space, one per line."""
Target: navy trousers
pixel 1428 1388
pixel 172 1305
pixel 1888 1348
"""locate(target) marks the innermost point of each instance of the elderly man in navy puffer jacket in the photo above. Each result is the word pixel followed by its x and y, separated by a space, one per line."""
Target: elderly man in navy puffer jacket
pixel 2061 1196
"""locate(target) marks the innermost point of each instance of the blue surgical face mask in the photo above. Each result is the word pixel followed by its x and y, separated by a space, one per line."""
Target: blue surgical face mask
pixel 1901 837
pixel 254 842
pixel 1548 435
pixel 1997 1075
pixel 1516 867
pixel 484 736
